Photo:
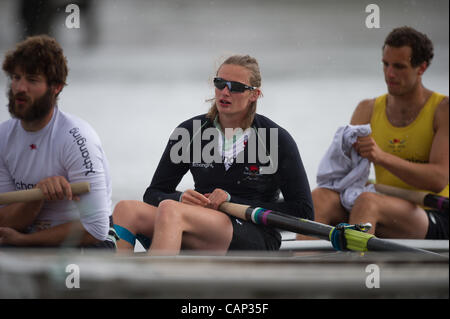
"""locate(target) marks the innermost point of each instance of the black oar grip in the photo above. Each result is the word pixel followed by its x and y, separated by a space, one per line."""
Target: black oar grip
pixel 438 202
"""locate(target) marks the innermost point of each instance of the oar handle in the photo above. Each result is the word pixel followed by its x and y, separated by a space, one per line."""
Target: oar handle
pixel 417 197
pixel 409 195
pixel 36 194
pixel 236 210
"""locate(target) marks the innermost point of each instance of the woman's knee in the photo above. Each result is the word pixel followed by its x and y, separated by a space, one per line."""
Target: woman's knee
pixel 168 212
pixel 122 210
pixel 136 215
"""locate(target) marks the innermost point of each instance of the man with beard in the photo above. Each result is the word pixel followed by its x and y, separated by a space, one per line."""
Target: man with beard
pixel 408 146
pixel 43 147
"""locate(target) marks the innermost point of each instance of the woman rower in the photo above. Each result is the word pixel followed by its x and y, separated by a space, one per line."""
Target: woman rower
pixel 233 155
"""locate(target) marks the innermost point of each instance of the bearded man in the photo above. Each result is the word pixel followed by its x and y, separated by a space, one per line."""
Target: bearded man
pixel 43 147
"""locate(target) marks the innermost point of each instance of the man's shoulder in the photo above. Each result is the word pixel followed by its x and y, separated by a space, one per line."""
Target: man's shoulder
pixel 6 129
pixel 367 103
pixel 363 112
pixel 7 125
pixel 71 126
pixel 69 120
pixel 441 114
pixel 444 103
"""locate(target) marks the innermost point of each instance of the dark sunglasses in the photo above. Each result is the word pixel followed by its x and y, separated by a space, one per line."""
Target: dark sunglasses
pixel 232 85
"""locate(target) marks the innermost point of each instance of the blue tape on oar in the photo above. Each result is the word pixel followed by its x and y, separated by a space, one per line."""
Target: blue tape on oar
pixel 337 237
pixel 125 234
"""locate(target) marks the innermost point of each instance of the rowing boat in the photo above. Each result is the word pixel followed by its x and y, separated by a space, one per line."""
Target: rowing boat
pixel 301 269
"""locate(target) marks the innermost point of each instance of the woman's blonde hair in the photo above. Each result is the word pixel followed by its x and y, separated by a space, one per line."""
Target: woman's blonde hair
pixel 250 64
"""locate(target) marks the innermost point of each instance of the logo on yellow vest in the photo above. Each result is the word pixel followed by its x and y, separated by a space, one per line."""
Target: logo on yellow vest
pixel 397 145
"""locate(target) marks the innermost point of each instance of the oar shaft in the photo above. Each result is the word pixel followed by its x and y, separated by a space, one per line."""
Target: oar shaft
pixel 377 244
pixel 290 223
pixel 277 220
pixel 36 194
pixel 409 195
pixel 356 240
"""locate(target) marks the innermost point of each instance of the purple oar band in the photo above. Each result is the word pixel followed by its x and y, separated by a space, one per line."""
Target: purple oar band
pixel 259 215
pixel 440 202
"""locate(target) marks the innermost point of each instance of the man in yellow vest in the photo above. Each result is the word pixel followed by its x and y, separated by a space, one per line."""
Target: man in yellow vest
pixel 408 146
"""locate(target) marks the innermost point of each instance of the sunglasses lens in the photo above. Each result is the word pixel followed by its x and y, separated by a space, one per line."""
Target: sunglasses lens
pixel 237 87
pixel 232 85
pixel 220 83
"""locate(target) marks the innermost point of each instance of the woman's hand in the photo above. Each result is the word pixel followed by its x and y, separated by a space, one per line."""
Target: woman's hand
pixel 217 197
pixel 191 197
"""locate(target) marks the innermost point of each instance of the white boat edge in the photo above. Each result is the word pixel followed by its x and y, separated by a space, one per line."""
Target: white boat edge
pixel 304 245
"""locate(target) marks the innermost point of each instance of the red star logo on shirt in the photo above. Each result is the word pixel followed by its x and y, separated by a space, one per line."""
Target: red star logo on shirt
pixel 33 147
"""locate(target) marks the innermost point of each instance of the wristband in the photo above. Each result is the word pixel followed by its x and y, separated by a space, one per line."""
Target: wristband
pixel 228 196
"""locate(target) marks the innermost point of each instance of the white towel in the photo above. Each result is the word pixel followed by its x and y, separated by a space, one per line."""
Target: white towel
pixel 342 169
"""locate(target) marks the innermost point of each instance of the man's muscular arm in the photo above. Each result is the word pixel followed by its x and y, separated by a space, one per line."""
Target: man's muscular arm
pixel 16 217
pixel 363 112
pixel 72 233
pixel 433 175
pixel 20 215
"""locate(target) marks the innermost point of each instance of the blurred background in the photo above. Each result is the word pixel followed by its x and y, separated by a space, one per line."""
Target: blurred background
pixel 139 68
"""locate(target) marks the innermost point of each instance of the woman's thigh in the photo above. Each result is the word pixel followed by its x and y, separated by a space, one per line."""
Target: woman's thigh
pixel 203 228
